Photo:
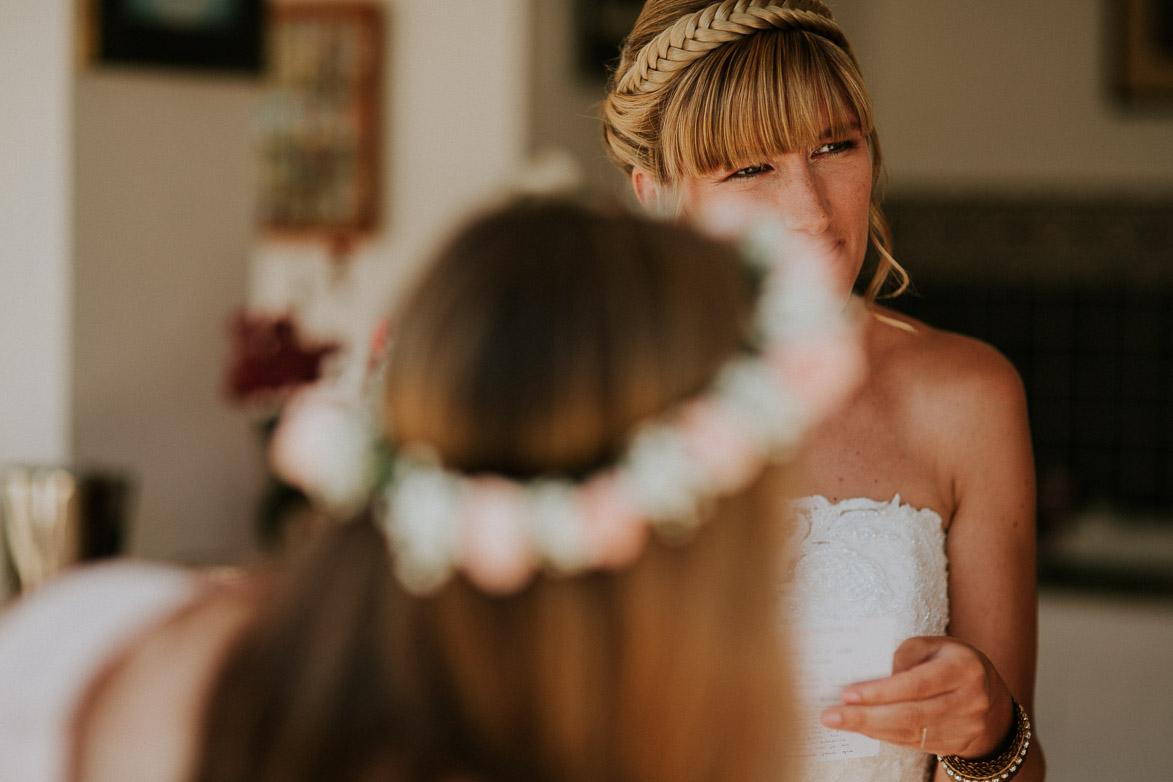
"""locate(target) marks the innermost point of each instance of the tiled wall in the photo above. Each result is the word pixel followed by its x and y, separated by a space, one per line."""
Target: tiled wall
pixel 1035 241
pixel 1079 296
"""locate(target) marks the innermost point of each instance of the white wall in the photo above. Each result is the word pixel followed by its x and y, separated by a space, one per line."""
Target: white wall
pixel 35 224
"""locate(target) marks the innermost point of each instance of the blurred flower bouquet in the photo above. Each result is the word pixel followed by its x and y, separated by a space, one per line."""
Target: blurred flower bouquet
pixel 269 360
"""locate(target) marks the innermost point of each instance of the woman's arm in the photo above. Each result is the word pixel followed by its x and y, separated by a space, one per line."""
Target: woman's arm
pixel 952 694
pixel 991 547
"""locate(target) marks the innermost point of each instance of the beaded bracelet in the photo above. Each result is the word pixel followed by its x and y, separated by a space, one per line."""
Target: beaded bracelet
pixel 1004 766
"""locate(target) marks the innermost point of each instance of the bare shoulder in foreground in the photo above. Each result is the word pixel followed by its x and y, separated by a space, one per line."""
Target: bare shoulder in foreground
pixel 155 689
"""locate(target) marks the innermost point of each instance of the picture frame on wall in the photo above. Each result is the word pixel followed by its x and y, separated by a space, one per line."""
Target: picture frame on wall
pixel 1145 51
pixel 320 121
pixel 196 35
pixel 601 26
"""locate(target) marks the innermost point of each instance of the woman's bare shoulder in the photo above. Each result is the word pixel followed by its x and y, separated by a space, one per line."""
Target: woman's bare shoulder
pixel 958 403
pixel 934 367
pixel 155 691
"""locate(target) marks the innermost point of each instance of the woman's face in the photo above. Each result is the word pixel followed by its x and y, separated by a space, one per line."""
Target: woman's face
pixel 822 194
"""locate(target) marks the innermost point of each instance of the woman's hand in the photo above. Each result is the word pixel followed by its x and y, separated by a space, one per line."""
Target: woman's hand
pixel 943 697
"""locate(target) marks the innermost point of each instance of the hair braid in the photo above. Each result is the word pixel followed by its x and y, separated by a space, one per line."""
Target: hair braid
pixel 630 110
pixel 696 34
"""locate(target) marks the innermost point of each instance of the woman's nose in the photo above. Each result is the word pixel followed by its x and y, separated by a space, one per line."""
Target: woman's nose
pixel 801 202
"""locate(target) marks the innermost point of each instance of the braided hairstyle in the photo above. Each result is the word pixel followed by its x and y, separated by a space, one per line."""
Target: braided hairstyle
pixel 708 85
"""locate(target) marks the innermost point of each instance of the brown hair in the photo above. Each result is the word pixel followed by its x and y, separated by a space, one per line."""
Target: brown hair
pixel 705 85
pixel 542 333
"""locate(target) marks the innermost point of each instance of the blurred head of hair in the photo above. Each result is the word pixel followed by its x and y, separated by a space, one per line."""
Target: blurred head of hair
pixel 541 334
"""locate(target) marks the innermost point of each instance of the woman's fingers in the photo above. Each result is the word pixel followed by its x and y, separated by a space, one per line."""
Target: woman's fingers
pixel 900 723
pixel 925 668
pixel 944 728
pixel 918 684
pixel 943 694
pixel 921 668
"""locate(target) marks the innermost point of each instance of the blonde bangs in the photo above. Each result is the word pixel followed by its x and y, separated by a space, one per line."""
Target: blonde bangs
pixel 767 94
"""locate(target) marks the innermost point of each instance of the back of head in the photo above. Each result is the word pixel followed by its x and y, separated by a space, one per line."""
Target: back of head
pixel 541 335
pixel 540 338
pixel 544 332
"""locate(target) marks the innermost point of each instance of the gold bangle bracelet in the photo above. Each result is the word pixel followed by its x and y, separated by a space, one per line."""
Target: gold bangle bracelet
pixel 1004 766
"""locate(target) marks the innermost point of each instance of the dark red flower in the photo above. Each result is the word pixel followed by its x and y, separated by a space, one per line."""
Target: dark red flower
pixel 270 357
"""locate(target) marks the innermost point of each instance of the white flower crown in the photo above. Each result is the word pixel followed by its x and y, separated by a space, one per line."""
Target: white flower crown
pixel 499 532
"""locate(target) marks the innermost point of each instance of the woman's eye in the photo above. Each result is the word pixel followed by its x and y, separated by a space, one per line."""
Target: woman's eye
pixel 749 171
pixel 835 147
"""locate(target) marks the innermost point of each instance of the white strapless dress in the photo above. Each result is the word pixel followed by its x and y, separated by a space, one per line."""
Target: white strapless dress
pixel 861 559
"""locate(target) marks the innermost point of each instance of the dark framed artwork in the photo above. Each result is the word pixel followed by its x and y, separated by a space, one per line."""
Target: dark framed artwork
pixel 1145 50
pixel 220 35
pixel 320 120
pixel 601 26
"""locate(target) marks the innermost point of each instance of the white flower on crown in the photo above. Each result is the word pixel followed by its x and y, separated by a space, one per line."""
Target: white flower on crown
pixel 324 445
pixel 421 505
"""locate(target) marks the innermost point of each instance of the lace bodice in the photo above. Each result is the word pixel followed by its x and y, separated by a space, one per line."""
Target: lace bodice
pixel 859 559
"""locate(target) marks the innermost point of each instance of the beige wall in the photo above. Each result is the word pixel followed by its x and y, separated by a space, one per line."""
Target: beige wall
pixel 35 224
pixel 163 185
pixel 565 115
pixel 1102 705
pixel 1005 95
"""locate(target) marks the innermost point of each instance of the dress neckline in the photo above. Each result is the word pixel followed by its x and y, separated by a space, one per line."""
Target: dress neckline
pixel 812 501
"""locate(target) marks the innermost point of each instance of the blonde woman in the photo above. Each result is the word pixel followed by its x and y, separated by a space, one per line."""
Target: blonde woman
pixel 565 572
pixel 921 491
